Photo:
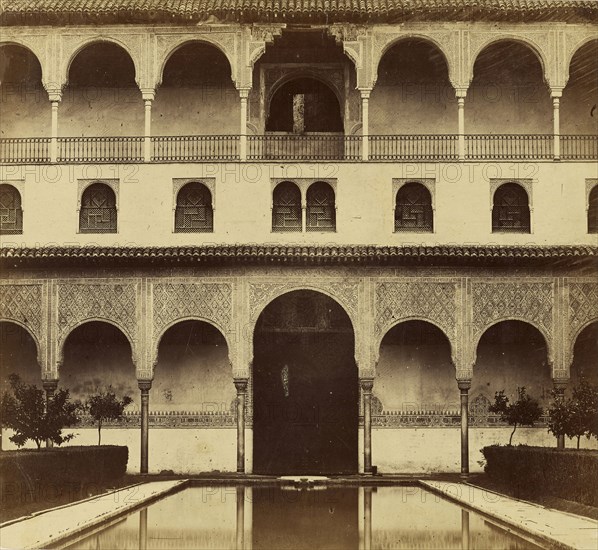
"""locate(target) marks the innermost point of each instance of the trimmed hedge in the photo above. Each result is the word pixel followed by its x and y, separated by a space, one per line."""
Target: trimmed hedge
pixel 569 474
pixel 27 474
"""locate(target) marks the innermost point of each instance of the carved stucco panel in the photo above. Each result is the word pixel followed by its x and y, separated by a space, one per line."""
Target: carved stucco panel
pixel 531 302
pixel 23 304
pixel 583 310
pixel 176 301
pixel 88 301
pixel 428 300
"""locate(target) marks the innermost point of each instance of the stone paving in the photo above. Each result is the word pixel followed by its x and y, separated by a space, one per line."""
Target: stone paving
pixel 558 529
pixel 45 528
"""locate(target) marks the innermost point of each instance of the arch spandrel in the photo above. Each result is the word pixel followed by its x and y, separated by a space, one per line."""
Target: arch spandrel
pixel 72 45
pixel 345 292
pixel 226 43
pixel 539 42
pixel 105 301
pixel 433 301
pixel 447 43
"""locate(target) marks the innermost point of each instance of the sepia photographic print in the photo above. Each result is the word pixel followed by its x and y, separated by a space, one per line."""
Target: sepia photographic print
pixel 299 274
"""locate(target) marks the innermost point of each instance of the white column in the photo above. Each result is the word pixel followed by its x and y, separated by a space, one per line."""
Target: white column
pixel 461 121
pixel 556 95
pixel 365 124
pixel 148 96
pixel 244 94
pixel 55 98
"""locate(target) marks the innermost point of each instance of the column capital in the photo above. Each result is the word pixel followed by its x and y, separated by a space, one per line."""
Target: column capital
pixel 365 93
pixel 464 385
pixel 244 92
pixel 461 93
pixel 50 385
pixel 560 384
pixel 144 385
pixel 556 92
pixel 55 96
pixel 367 384
pixel 241 384
pixel 148 94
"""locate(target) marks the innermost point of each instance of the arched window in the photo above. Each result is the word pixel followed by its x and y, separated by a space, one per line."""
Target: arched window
pixel 286 207
pixel 510 210
pixel 98 210
pixel 413 209
pixel 194 213
pixel 321 210
pixel 11 213
pixel 593 211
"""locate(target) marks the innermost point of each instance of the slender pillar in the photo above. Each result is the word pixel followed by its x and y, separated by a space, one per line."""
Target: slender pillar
pixel 244 93
pixel 303 214
pixel 144 386
pixel 148 98
pixel 366 391
pixel 367 518
pixel 461 122
pixel 241 385
pixel 464 529
pixel 556 122
pixel 55 98
pixel 559 393
pixel 365 124
pixel 464 386
pixel 50 387
pixel 143 529
pixel 240 527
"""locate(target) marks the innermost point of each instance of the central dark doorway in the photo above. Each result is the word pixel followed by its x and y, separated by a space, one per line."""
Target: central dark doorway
pixel 305 387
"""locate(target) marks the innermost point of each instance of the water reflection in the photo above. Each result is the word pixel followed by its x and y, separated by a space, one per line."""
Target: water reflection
pixel 257 518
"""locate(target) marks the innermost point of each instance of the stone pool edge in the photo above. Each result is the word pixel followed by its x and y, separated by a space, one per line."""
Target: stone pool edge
pixel 551 534
pixel 16 529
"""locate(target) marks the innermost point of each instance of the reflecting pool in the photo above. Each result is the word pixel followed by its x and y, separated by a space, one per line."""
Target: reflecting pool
pixel 280 518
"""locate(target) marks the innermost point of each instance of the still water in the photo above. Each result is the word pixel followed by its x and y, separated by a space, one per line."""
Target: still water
pixel 280 518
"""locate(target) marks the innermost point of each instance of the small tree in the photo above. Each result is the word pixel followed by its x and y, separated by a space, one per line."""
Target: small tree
pixel 105 406
pixel 523 412
pixel 25 411
pixel 576 416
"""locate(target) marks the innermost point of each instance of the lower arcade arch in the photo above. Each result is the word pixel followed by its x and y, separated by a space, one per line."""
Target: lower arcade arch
pixel 97 355
pixel 305 387
pixel 193 372
pixel 18 355
pixel 584 364
pixel 512 354
pixel 415 371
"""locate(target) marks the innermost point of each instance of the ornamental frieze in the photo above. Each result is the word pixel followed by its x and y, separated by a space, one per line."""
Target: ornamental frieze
pixel 583 306
pixel 112 302
pixel 22 303
pixel 210 301
pixel 433 301
pixel 531 302
pixel 345 292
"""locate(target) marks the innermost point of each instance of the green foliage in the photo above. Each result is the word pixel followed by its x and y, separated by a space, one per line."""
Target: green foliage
pixel 576 416
pixel 104 406
pixel 24 410
pixel 523 412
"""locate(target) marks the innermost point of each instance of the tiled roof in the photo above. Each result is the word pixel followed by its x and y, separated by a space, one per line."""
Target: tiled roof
pixel 328 11
pixel 298 255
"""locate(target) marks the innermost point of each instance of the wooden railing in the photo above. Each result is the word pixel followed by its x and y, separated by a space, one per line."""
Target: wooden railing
pixel 100 149
pixel 303 147
pixel 27 150
pixel 414 147
pixel 579 147
pixel 286 147
pixel 508 146
pixel 192 148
